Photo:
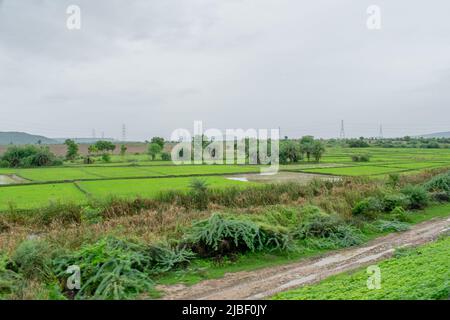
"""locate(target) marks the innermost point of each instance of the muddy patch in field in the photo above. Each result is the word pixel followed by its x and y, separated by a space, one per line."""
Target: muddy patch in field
pixel 10 179
pixel 281 177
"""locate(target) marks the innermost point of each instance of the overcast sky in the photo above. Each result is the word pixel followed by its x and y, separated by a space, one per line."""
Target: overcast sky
pixel 158 65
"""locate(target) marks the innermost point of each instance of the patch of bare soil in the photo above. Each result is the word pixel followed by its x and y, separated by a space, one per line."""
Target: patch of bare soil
pixel 266 282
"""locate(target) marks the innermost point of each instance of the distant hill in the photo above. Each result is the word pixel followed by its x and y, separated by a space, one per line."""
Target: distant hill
pixel 437 135
pixel 23 138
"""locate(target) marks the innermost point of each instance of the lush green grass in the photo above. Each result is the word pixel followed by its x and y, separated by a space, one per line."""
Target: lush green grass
pixel 35 196
pixel 423 273
pixel 86 172
pixel 149 188
pixel 353 171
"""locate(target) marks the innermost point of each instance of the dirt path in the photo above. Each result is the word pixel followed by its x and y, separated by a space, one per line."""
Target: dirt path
pixel 266 282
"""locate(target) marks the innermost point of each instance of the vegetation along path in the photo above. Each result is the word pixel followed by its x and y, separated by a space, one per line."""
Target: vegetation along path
pixel 266 282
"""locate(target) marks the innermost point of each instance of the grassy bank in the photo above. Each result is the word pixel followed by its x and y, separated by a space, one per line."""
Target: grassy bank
pixel 420 273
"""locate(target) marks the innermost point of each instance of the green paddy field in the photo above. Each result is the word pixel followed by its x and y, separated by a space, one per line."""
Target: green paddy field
pixel 139 177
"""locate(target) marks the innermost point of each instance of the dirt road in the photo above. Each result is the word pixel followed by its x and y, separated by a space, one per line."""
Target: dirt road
pixel 263 283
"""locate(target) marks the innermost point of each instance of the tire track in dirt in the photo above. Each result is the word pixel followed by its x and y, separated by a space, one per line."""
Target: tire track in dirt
pixel 266 282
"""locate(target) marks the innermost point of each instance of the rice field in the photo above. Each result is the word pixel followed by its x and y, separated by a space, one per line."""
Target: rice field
pixel 139 177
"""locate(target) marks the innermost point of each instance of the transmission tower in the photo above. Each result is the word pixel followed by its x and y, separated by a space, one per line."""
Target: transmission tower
pixel 381 132
pixel 342 134
pixel 93 133
pixel 124 133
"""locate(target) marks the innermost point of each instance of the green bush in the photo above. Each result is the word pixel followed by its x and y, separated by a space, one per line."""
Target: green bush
pixel 392 201
pixel 361 158
pixel 440 183
pixel 441 196
pixel 198 189
pixel 10 281
pixel 165 156
pixel 33 259
pixel 223 235
pixel 391 226
pixel 110 269
pixel 29 156
pixel 418 197
pixel 319 225
pixel 368 206
pixel 399 214
pixel 106 157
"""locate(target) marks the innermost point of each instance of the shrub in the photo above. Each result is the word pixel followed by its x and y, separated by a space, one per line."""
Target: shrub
pixel 33 259
pixel 391 226
pixel 440 183
pixel 106 157
pixel 29 156
pixel 223 235
pixel 393 180
pixel 10 281
pixel 392 201
pixel 165 156
pixel 368 206
pixel 110 269
pixel 441 196
pixel 198 189
pixel 163 258
pixel 317 224
pixel 417 195
pixel 361 158
pixel 399 214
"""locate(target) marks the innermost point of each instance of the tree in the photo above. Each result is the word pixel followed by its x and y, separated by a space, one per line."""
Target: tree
pixel 317 150
pixel 72 149
pixel 105 146
pixel 123 150
pixel 92 149
pixel 159 141
pixel 154 149
pixel 306 145
pixel 289 152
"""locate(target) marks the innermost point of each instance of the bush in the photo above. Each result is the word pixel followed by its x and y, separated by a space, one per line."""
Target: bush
pixel 110 269
pixel 33 259
pixel 10 281
pixel 399 214
pixel 165 156
pixel 198 189
pixel 441 196
pixel 368 206
pixel 163 258
pixel 440 183
pixel 106 157
pixel 391 226
pixel 361 158
pixel 317 224
pixel 392 201
pixel 223 235
pixel 29 156
pixel 417 196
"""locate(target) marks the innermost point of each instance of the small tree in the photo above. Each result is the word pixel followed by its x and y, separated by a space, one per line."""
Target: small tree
pixel 123 150
pixel 154 149
pixel 306 146
pixel 317 150
pixel 72 149
pixel 289 152
pixel 159 141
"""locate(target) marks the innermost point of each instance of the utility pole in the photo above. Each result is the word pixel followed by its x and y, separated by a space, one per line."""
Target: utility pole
pixel 124 133
pixel 342 134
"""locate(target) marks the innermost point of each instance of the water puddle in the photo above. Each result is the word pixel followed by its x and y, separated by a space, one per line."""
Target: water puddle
pixel 243 179
pixel 6 179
